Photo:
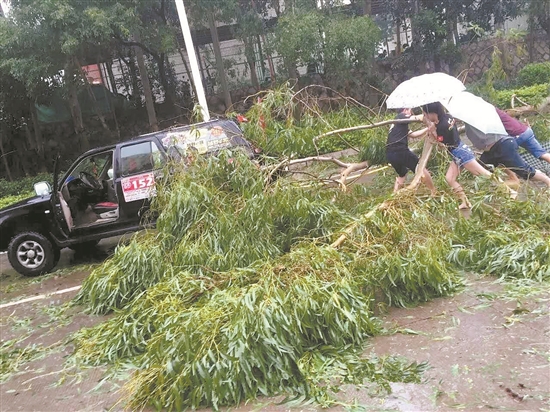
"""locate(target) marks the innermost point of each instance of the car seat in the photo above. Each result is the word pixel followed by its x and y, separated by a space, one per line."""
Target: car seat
pixel 106 210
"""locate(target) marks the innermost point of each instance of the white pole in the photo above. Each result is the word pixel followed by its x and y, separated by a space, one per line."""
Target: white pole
pixel 197 80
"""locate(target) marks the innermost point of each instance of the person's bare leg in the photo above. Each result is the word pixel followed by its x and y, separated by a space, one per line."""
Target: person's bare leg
pixel 512 177
pixel 512 183
pixel 476 169
pixel 399 183
pixel 427 180
pixel 541 177
pixel 451 176
pixel 546 157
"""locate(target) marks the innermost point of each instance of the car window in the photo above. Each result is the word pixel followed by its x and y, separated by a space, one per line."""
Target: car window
pixel 97 165
pixel 201 139
pixel 140 158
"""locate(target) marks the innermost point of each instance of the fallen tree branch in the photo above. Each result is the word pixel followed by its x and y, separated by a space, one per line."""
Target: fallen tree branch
pixel 364 127
pixel 286 163
pixel 527 109
pixel 522 111
pixel 426 152
pixel 351 168
pixel 319 159
pixel 428 146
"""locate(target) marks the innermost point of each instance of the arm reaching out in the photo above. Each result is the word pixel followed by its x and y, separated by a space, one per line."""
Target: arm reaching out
pixel 418 133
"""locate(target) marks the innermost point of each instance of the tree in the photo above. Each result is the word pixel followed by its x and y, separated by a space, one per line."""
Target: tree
pixel 250 30
pixel 14 106
pixel 491 14
pixel 345 52
pixel 299 39
pixel 207 14
pixel 539 13
pixel 44 45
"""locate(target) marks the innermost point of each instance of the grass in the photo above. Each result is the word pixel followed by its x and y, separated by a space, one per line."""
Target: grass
pixel 13 356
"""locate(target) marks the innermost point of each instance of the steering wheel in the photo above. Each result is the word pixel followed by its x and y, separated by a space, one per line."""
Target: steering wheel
pixel 90 181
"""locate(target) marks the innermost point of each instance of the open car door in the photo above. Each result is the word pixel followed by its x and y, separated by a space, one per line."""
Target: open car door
pixel 62 214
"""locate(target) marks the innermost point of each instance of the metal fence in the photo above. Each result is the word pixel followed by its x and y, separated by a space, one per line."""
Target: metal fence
pixel 537 163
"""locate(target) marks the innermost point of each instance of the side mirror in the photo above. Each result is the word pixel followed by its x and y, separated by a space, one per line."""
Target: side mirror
pixel 42 188
pixel 110 173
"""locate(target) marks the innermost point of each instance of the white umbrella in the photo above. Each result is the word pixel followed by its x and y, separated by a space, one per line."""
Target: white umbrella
pixel 420 90
pixel 475 111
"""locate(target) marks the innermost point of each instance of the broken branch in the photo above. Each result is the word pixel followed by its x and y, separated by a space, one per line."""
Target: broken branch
pixel 426 151
pixel 364 127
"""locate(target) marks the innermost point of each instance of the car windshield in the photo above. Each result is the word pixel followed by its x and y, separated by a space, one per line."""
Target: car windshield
pixel 96 165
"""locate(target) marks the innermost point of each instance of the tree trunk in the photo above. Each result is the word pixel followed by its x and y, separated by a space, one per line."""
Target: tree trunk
pixel 270 62
pixel 419 172
pixel 219 61
pixel 531 37
pixel 249 53
pixel 502 47
pixel 437 62
pixel 149 102
pixel 169 94
pixel 76 114
pixel 37 129
pixel 367 7
pixel 416 38
pixel 187 73
pixel 291 68
pixel 111 76
pixel 449 25
pixel 134 81
pixel 3 132
pixel 455 29
pixel 19 158
pixel 38 139
pixel 398 37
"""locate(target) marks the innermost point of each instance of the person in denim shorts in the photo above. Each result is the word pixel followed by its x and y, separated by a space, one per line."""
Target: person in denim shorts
pixel 502 150
pixel 525 137
pixel 462 155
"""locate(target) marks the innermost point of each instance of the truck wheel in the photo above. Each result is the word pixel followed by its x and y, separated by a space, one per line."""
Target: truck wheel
pixel 32 254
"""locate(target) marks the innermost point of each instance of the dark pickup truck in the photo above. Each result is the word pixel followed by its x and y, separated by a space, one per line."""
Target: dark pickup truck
pixel 103 193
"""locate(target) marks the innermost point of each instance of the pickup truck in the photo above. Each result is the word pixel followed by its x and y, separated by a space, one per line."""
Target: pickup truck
pixel 104 193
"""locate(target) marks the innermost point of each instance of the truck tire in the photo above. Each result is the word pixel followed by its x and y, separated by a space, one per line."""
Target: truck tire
pixel 32 254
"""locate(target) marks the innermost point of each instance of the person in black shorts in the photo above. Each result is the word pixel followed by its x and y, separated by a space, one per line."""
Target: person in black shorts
pixel 399 155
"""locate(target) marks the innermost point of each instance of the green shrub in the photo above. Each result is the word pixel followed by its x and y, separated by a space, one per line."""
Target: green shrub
pixel 9 200
pixel 541 127
pixel 530 95
pixel 23 185
pixel 535 73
